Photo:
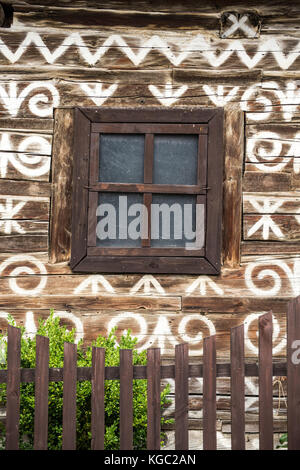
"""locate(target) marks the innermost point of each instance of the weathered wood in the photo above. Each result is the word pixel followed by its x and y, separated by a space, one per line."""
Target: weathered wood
pixel 265 382
pixel 181 397
pixel 25 188
pixel 41 393
pixel 62 167
pixel 209 394
pixel 293 374
pixel 13 388
pixel 166 372
pixel 265 182
pixel 97 405
pixel 69 397
pixel 282 227
pixel 79 187
pixel 232 187
pixel 126 399
pixel 153 399
pixel 237 388
pixel 17 243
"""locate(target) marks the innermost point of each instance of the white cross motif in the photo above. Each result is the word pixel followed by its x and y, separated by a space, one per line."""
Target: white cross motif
pixel 8 211
pixel 239 23
pixel 266 221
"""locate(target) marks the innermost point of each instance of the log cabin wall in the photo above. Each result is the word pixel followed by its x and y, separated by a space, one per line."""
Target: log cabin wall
pixel 241 55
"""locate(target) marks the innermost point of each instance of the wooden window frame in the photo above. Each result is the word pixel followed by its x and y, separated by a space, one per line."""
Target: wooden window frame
pixel 89 120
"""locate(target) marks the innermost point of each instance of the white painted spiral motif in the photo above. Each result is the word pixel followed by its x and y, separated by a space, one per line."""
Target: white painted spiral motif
pixel 28 265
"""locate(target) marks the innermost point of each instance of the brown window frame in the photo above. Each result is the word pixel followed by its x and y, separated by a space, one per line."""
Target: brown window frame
pixel 88 123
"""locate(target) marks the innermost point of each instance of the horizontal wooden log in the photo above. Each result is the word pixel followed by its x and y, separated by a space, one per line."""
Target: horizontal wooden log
pixel 156 327
pixel 28 143
pixel 265 182
pixel 24 207
pixel 273 10
pixel 23 227
pixel 42 126
pixel 276 227
pixel 269 248
pixel 25 188
pixel 281 203
pixel 19 243
pixel 17 166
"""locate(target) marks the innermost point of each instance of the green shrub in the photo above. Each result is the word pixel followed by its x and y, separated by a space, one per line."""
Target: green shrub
pixel 57 335
pixel 283 442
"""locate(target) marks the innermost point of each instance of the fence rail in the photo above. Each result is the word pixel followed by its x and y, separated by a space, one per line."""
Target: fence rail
pixel 181 371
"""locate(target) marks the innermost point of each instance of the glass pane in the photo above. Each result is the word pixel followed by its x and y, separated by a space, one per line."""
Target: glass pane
pixel 121 158
pixel 175 159
pixel 119 220
pixel 173 220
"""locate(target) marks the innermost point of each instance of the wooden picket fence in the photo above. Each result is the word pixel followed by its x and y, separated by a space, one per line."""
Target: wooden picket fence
pixel 181 371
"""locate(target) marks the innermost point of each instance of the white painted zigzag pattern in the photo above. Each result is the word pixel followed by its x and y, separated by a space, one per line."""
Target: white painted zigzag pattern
pixel 198 44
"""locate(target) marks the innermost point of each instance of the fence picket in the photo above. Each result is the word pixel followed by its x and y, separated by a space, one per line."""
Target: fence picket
pixel 13 387
pixel 181 396
pixel 126 400
pixel 237 388
pixel 293 374
pixel 97 400
pixel 153 399
pixel 265 381
pixel 41 393
pixel 209 394
pixel 69 397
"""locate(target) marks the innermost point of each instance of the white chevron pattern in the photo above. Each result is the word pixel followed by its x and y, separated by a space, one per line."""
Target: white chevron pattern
pixel 199 44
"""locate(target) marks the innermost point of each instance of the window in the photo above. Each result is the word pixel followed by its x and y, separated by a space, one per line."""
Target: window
pixel 147 190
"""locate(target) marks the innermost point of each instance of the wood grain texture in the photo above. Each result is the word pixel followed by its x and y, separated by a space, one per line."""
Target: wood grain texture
pixel 237 352
pixel 69 397
pixel 265 382
pixel 41 393
pixel 13 388
pixel 181 397
pixel 62 167
pixel 153 399
pixel 97 406
pixel 293 374
pixel 126 399
pixel 232 187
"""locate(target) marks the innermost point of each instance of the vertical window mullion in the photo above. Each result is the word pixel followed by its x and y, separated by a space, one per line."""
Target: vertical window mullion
pixel 202 160
pixel 148 178
pixel 94 158
pixel 92 218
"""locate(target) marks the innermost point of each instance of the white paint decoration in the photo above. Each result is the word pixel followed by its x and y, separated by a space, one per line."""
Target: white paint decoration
pixel 28 165
pixel 280 347
pixel 257 152
pixel 148 283
pixel 7 213
pixel 218 96
pixel 268 272
pixel 162 333
pixel 29 265
pixel 96 92
pixel 239 23
pixel 168 96
pixel 266 222
pixel 74 319
pixel 92 284
pixel 12 99
pixel 201 284
pixel 199 44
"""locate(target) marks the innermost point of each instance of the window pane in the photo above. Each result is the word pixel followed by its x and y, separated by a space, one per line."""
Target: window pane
pixel 175 159
pixel 121 158
pixel 173 220
pixel 119 220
